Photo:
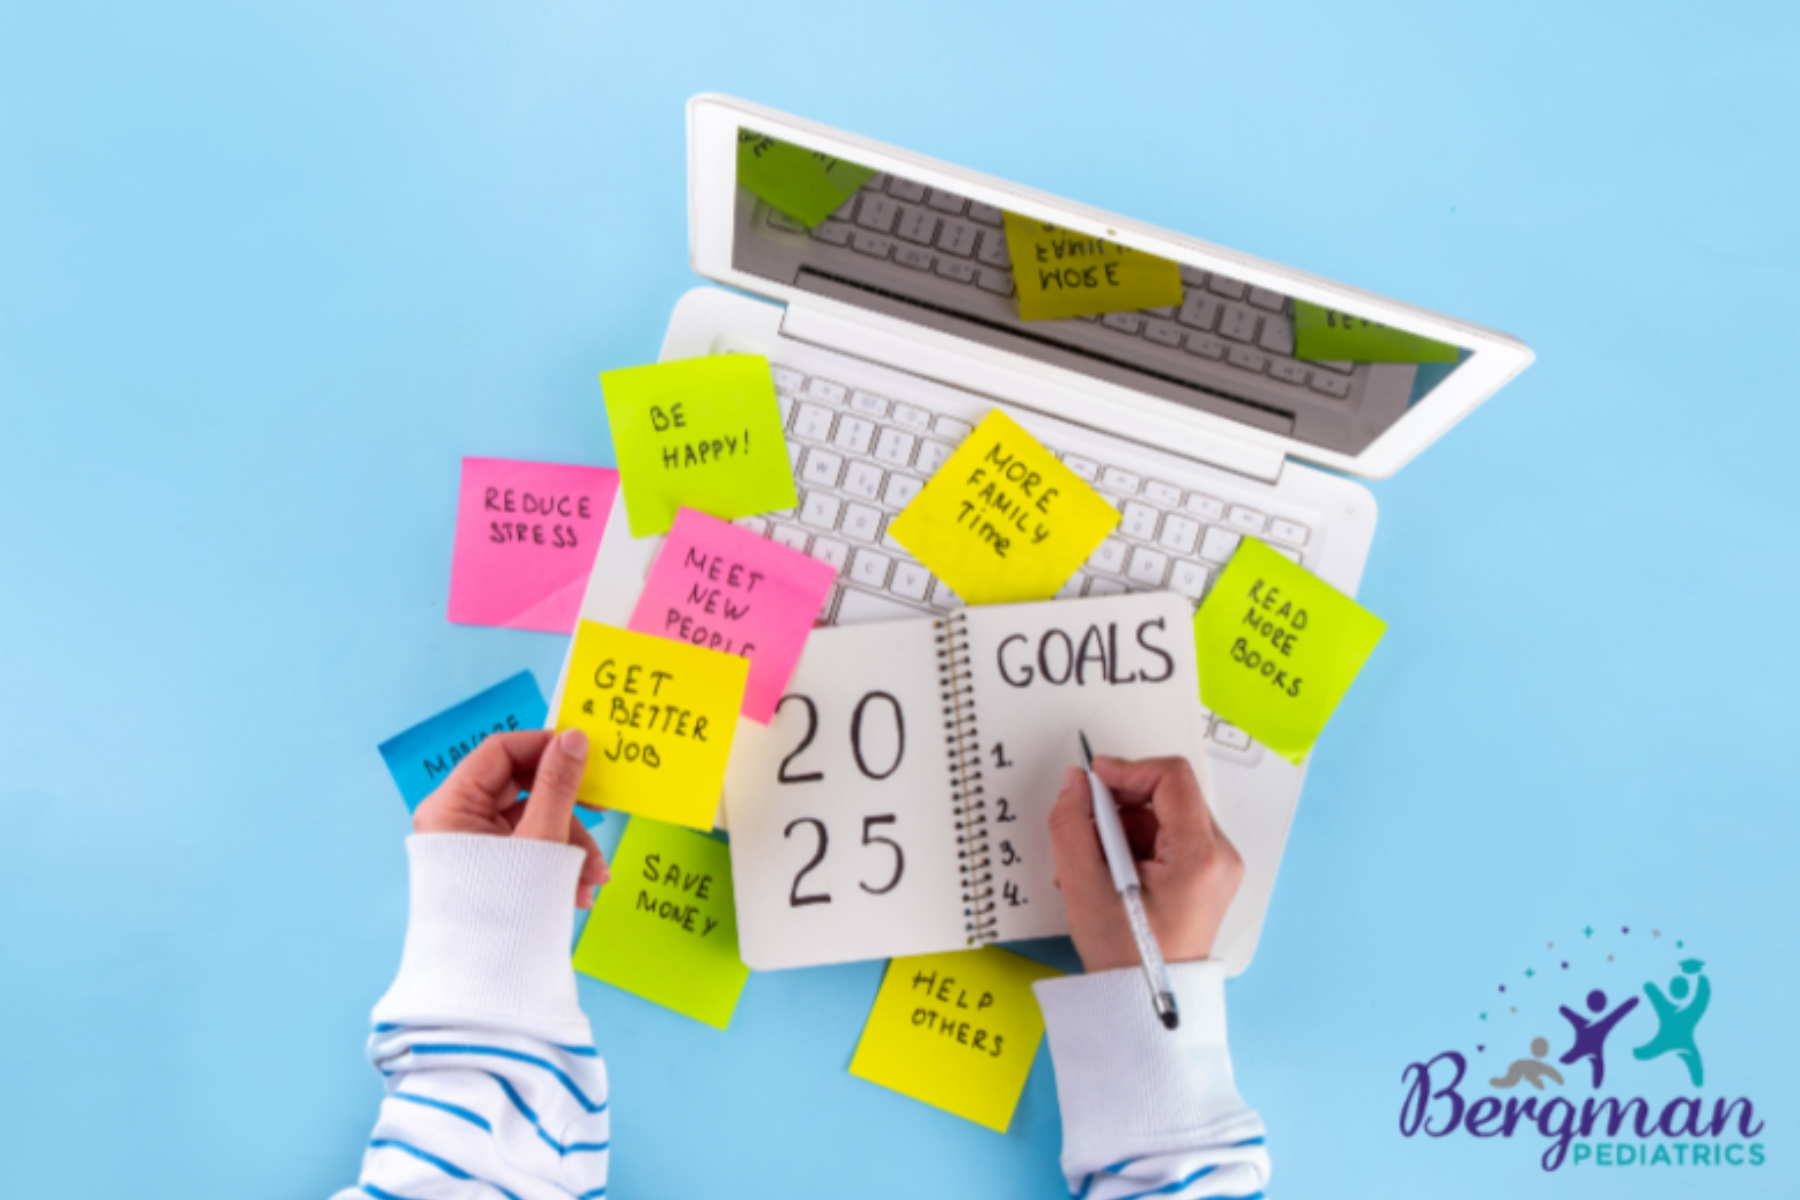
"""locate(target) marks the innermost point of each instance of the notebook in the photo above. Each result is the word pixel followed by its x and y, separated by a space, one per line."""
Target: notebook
pixel 898 802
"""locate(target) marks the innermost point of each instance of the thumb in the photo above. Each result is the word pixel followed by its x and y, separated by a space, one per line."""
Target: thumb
pixel 552 801
pixel 1080 864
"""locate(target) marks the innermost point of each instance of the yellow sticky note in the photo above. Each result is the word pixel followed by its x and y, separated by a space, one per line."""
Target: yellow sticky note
pixel 1324 334
pixel 805 184
pixel 1003 520
pixel 700 432
pixel 1065 274
pixel 665 928
pixel 659 716
pixel 1278 647
pixel 957 1031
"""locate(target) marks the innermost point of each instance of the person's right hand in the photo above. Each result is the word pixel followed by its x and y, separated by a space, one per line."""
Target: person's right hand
pixel 1188 869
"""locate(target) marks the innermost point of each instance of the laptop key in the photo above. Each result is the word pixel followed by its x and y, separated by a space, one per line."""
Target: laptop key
pixel 894 447
pixel 993 250
pixel 853 434
pixel 952 430
pixel 820 511
pixel 789 536
pixel 1115 480
pixel 812 422
pixel 1086 468
pixel 822 468
pixel 943 597
pixel 874 245
pixel 859 607
pixel 1230 737
pixel 1147 566
pixel 878 213
pixel 870 568
pixel 957 269
pixel 913 418
pixel 1162 333
pixel 1277 336
pixel 932 455
pixel 862 522
pixel 1237 323
pixel 1264 298
pixel 1331 385
pixel 997 282
pixel 1123 322
pixel 1288 531
pixel 912 256
pixel 1246 519
pixel 1138 521
pixel 755 525
pixel 958 238
pixel 1179 533
pixel 832 233
pixel 1248 359
pixel 911 580
pixel 786 378
pixel 900 490
pixel 833 553
pixel 944 201
pixel 1205 345
pixel 1205 507
pixel 868 404
pixel 824 389
pixel 1231 289
pixel 906 189
pixel 1219 544
pixel 1288 371
pixel 1199 310
pixel 1108 556
pixel 1072 588
pixel 987 214
pixel 863 479
pixel 1165 494
pixel 1189 578
pixel 917 225
pixel 1105 587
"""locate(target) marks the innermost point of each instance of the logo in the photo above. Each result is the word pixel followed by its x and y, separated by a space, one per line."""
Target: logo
pixel 1605 1066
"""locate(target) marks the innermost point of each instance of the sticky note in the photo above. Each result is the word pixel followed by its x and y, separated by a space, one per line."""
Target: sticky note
pixel 1065 274
pixel 1278 647
pixel 805 184
pixel 1003 520
pixel 957 1031
pixel 665 928
pixel 700 432
pixel 1323 334
pixel 526 535
pixel 660 717
pixel 424 755
pixel 725 588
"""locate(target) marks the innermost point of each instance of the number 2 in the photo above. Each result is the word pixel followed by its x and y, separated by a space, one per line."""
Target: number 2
pixel 812 730
pixel 795 899
pixel 1006 813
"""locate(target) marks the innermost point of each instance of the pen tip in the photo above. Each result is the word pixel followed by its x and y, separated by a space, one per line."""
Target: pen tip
pixel 1086 753
pixel 1171 1019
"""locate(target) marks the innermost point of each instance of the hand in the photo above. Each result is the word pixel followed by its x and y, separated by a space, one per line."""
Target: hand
pixel 482 796
pixel 1188 869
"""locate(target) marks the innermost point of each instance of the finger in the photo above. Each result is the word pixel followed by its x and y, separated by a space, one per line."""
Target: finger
pixel 593 867
pixel 1075 843
pixel 483 780
pixel 551 804
pixel 1140 825
pixel 1170 784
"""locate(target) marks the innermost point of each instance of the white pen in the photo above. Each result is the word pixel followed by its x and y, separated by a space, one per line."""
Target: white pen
pixel 1125 878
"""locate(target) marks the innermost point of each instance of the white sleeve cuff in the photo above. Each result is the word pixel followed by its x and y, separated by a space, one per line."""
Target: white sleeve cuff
pixel 487 942
pixel 1129 1087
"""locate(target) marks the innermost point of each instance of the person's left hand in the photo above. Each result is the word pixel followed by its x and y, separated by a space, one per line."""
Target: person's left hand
pixel 481 796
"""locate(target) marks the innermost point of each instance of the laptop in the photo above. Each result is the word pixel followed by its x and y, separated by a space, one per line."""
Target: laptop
pixel 892 328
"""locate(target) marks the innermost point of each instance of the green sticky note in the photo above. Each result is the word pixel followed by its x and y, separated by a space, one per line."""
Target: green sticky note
pixel 704 433
pixel 805 184
pixel 1324 334
pixel 1278 647
pixel 665 928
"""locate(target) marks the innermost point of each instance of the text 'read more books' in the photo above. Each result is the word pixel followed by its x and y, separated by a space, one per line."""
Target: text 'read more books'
pixel 898 802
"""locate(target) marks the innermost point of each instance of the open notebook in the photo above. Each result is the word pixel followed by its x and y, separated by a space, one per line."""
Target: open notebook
pixel 898 802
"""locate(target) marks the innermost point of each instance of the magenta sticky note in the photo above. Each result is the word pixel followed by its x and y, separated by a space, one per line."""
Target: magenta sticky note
pixel 725 588
pixel 526 534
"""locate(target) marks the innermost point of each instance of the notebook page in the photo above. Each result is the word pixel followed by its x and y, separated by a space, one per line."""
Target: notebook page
pixel 843 829
pixel 1121 669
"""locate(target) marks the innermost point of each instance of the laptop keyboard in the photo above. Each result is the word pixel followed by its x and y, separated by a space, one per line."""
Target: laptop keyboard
pixel 1226 333
pixel 860 457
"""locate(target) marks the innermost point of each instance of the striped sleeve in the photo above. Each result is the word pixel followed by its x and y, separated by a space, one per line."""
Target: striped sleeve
pixel 493 1085
pixel 1148 1112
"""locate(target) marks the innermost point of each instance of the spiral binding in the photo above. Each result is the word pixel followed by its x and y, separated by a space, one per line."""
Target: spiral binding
pixel 966 789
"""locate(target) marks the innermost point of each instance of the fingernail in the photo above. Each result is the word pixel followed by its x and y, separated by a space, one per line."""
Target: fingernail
pixel 1070 776
pixel 572 742
pixel 584 897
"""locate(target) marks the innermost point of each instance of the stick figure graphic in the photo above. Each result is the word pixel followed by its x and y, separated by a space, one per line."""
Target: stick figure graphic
pixel 1675 1032
pixel 1529 1069
pixel 1590 1036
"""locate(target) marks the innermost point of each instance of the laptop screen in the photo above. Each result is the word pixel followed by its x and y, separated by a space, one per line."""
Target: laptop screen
pixel 1177 331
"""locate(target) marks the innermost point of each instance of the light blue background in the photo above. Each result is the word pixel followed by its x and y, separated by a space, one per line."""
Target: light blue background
pixel 267 272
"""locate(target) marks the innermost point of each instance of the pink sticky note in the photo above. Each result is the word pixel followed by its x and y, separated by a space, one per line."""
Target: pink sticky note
pixel 526 534
pixel 723 588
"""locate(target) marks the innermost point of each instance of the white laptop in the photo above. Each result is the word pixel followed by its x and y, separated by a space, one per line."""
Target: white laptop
pixel 892 328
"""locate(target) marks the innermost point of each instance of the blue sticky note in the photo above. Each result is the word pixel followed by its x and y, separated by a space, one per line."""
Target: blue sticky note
pixel 421 758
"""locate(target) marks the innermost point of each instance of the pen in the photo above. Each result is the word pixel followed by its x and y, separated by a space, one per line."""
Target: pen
pixel 1125 878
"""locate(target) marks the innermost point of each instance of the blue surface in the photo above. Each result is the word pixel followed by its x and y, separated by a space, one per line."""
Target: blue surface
pixel 420 758
pixel 267 273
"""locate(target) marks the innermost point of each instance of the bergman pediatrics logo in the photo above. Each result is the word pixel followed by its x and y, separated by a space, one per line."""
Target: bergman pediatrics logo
pixel 1607 1068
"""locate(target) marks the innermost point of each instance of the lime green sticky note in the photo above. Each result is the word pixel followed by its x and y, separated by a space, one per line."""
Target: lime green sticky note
pixel 1278 648
pixel 704 433
pixel 805 184
pixel 1324 334
pixel 665 928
